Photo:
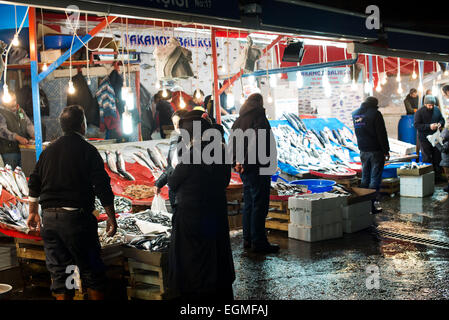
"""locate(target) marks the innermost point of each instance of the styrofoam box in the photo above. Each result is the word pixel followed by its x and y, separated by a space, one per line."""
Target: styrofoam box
pixel 357 223
pixel 316 202
pixel 306 218
pixel 418 187
pixel 356 210
pixel 411 205
pixel 319 233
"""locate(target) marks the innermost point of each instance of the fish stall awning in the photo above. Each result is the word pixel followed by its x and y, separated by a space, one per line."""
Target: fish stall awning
pixel 214 12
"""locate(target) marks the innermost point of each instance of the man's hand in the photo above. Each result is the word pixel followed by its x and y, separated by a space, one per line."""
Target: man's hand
pixel 387 157
pixel 21 140
pixel 111 223
pixel 239 168
pixel 34 220
pixel 434 126
pixel 111 227
pixel 157 190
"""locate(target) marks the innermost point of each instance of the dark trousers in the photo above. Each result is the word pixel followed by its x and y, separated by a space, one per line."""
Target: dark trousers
pixel 431 155
pixel 13 159
pixel 71 239
pixel 256 198
pixel 372 169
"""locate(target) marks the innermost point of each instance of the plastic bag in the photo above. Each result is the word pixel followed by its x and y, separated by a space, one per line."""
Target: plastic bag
pixel 435 138
pixel 158 204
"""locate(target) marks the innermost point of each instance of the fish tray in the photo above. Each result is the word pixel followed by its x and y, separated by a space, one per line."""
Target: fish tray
pixel 279 206
pixel 276 224
pixel 279 216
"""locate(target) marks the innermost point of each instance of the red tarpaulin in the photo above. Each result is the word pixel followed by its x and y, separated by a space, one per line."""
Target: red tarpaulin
pixel 142 175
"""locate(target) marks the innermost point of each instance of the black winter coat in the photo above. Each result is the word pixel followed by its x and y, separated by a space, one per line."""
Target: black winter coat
pixel 424 118
pixel 83 97
pixel 369 127
pixel 200 256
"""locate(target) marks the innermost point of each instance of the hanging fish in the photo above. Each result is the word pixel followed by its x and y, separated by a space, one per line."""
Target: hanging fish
pixel 112 164
pixel 121 167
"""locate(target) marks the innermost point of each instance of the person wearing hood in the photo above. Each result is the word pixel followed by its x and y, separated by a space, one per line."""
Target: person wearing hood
pixel 201 266
pixel 256 186
pixel 411 102
pixel 428 120
pixel 372 139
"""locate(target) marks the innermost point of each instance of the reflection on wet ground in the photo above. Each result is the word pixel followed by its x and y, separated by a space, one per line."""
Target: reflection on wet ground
pixel 337 269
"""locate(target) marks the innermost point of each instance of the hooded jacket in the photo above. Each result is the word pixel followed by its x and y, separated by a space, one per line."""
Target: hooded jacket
pixel 370 128
pixel 252 116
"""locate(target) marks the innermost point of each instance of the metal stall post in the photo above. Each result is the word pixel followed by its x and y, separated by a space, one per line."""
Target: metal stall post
pixel 137 83
pixel 214 62
pixel 371 79
pixel 35 81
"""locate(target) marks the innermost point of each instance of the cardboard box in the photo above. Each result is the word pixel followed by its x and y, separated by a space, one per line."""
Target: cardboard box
pixel 49 56
pixel 361 195
pixel 415 172
pixel 418 186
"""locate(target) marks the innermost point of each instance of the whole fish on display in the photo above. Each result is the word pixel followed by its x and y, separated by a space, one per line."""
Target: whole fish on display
pixel 291 121
pixel 147 160
pixel 8 174
pixel 21 181
pixel 318 136
pixel 299 122
pixel 111 162
pixel 142 162
pixel 121 167
pixel 156 159
pixel 161 156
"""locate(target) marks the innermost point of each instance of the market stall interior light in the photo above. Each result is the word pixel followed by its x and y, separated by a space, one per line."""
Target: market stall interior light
pixel 230 100
pixel 15 40
pixel 398 77
pixel 299 80
pixel 197 93
pixel 353 85
pixel 270 99
pixel 44 67
pixel 367 86
pixel 378 88
pixel 164 93
pixel 71 89
pixel 414 75
pixel 434 89
pixel 400 91
pixel 125 92
pixel 252 79
pixel 130 100
pixel 127 123
pixel 6 95
pixel 273 81
pixel 420 88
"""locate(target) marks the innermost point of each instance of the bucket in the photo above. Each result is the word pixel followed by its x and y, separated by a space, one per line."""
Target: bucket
pixel 5 291
pixel 316 185
pixel 406 130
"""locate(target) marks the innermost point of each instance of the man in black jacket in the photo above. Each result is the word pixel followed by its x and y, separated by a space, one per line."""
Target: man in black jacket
pixel 373 143
pixel 164 110
pixel 65 181
pixel 428 120
pixel 256 185
pixel 411 102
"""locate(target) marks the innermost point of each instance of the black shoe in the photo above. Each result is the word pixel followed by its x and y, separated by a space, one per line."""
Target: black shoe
pixel 376 208
pixel 446 189
pixel 268 248
pixel 246 244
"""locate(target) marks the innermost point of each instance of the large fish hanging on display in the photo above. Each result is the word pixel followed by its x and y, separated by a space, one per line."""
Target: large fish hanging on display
pixel 248 57
pixel 173 61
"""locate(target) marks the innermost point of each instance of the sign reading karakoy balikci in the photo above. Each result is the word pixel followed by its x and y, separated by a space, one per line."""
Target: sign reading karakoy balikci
pixel 161 40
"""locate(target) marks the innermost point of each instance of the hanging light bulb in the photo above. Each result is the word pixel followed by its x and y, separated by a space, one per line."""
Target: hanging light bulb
pixel 15 40
pixel 434 89
pixel 446 73
pixel 71 89
pixel 270 99
pixel 378 88
pixel 299 80
pixel 44 67
pixel 252 79
pixel 273 81
pixel 414 75
pixel 242 99
pixel 367 86
pixel 182 103
pixel 223 69
pixel 384 79
pixel 158 85
pixel 353 85
pixel 230 100
pixel 164 93
pixel 400 91
pixel 127 122
pixel 125 92
pixel 89 81
pixel 197 93
pixel 6 95
pixel 398 77
pixel 130 100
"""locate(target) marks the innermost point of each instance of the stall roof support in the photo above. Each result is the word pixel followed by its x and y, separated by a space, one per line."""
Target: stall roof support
pixel 240 74
pixel 215 67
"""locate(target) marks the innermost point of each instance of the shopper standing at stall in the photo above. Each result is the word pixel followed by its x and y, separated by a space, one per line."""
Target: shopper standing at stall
pixel 411 102
pixel 256 187
pixel 428 120
pixel 172 159
pixel 15 128
pixel 164 110
pixel 445 155
pixel 65 181
pixel 372 140
pixel 201 267
pixel 429 93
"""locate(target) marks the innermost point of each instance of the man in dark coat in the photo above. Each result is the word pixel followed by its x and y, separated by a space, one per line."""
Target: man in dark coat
pixel 256 186
pixel 411 102
pixel 372 140
pixel 428 120
pixel 201 267
pixel 164 110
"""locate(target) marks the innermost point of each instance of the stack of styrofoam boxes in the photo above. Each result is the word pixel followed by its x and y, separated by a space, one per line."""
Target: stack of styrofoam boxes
pixel 316 217
pixel 418 186
pixel 357 216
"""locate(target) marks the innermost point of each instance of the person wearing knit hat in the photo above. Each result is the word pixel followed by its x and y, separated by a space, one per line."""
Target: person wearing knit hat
pixel 372 139
pixel 428 119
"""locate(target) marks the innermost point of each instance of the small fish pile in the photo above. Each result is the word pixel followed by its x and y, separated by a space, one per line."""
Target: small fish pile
pixel 154 217
pixel 116 164
pixel 121 205
pixel 341 190
pixel 295 121
pixel 15 216
pixel 157 243
pixel 118 238
pixel 14 182
pixel 139 191
pixel 411 165
pixel 285 189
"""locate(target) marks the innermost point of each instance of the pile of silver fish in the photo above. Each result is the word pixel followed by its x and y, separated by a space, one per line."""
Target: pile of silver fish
pixel 116 164
pixel 311 150
pixel 285 189
pixel 156 243
pixel 14 182
pixel 121 205
pixel 15 216
pixel 152 159
pixel 295 121
pixel 154 217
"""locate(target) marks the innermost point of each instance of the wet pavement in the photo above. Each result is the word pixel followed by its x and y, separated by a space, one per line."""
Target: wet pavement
pixel 337 269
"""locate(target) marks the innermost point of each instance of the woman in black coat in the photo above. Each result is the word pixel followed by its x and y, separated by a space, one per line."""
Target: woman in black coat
pixel 200 258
